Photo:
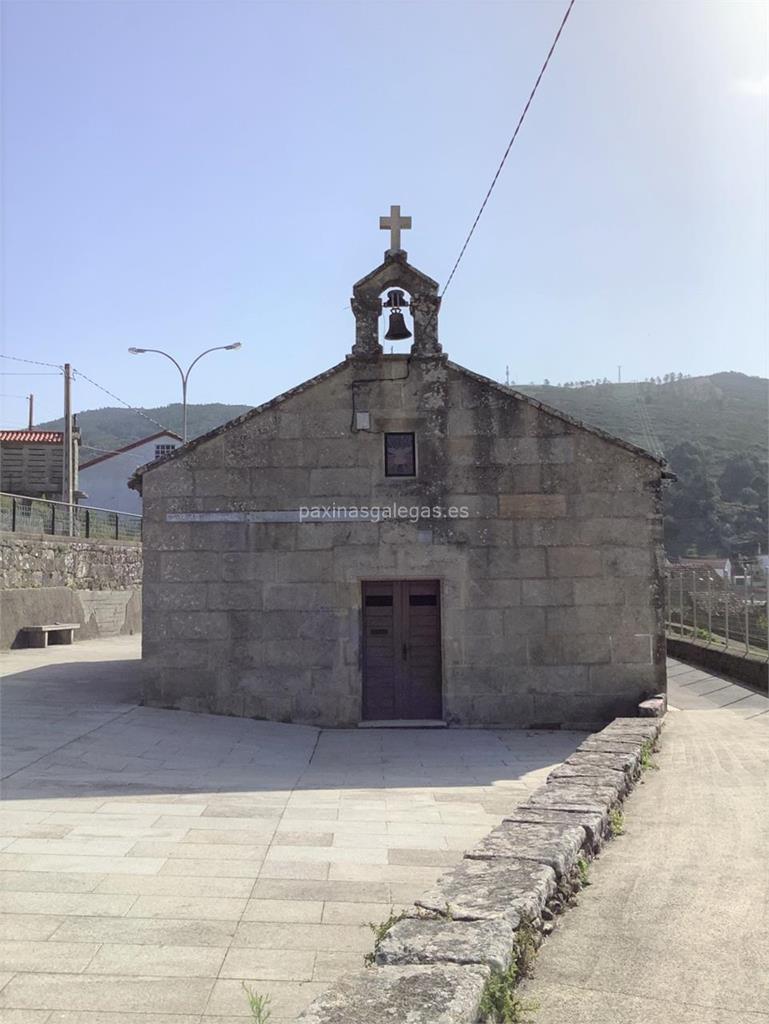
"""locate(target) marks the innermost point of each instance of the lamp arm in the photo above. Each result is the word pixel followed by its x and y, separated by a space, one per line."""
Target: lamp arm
pixel 160 352
pixel 216 348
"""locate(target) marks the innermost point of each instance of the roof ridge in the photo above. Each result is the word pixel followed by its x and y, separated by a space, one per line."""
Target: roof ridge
pixel 560 414
pixel 135 479
pixel 230 424
pixel 128 447
pixel 36 436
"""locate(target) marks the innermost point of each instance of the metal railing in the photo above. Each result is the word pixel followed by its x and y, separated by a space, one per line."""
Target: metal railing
pixel 56 518
pixel 719 612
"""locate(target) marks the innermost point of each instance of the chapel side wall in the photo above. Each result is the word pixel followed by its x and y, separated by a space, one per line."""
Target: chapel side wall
pixel 551 600
pixel 564 623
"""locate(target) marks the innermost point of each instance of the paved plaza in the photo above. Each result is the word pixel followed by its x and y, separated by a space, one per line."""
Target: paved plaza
pixel 153 861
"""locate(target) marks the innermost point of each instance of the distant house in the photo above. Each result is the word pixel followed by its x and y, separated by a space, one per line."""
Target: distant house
pixel 720 566
pixel 105 477
pixel 32 462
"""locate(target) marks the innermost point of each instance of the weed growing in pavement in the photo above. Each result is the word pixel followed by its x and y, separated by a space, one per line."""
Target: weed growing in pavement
pixel 500 1003
pixel 583 866
pixel 616 822
pixel 525 950
pixel 647 748
pixel 259 1004
pixel 380 930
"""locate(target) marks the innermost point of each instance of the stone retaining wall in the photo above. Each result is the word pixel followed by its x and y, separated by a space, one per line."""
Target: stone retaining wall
pixel 432 966
pixel 29 562
pixel 95 583
pixel 744 668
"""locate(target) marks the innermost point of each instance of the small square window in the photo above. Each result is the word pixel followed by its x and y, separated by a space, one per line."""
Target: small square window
pixel 400 455
pixel 163 449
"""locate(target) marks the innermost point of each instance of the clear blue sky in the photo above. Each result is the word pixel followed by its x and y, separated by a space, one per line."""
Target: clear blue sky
pixel 180 175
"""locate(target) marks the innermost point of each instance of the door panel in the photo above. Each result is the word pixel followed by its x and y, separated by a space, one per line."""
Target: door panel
pixel 401 649
pixel 422 694
pixel 379 650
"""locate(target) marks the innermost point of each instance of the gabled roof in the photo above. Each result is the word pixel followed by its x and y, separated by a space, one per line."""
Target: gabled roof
pixel 32 436
pixel 551 411
pixel 128 447
pixel 230 424
pixel 180 452
pixel 397 269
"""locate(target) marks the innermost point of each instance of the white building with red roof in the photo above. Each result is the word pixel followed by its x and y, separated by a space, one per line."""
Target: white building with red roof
pixel 104 478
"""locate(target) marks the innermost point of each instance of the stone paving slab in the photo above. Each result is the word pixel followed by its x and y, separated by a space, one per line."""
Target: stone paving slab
pixel 151 861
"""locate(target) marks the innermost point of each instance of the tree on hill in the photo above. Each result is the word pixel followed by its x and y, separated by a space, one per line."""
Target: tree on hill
pixel 738 474
pixel 691 513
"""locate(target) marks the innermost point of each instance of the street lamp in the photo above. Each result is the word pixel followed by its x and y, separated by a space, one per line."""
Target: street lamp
pixel 185 374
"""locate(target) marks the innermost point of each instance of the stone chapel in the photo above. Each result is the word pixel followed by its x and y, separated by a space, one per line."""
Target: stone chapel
pixel 401 540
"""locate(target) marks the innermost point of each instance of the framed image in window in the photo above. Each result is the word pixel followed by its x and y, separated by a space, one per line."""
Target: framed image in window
pixel 400 455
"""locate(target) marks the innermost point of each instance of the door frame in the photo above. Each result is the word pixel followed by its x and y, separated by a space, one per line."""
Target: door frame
pixel 387 578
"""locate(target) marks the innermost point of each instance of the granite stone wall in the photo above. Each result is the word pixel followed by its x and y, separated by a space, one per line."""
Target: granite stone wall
pixel 45 580
pixel 551 590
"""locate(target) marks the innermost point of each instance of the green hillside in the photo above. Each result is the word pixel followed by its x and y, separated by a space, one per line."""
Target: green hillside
pixel 726 413
pixel 713 431
pixel 113 427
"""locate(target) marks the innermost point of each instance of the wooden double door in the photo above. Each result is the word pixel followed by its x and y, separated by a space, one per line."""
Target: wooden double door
pixel 401 649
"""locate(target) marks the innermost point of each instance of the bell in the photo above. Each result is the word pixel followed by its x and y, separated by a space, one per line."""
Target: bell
pixel 397 331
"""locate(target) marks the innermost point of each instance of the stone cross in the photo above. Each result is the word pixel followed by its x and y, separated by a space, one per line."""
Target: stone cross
pixel 394 224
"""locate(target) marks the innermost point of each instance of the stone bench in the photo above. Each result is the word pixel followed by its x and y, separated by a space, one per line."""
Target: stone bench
pixel 55 633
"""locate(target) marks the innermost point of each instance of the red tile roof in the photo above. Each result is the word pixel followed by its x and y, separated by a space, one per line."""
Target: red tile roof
pixel 33 436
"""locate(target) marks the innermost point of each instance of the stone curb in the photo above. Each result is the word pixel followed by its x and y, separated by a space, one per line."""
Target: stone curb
pixel 655 707
pixel 431 966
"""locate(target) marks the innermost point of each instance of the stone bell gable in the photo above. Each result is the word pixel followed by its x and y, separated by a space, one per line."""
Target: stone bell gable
pixel 401 539
pixel 395 272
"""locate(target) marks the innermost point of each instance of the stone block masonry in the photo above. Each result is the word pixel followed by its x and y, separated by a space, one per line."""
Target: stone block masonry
pixel 43 580
pixel 550 590
pixel 433 966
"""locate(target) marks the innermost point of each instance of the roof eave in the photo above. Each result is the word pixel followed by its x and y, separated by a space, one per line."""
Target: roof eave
pixel 135 481
pixel 559 414
pixel 129 447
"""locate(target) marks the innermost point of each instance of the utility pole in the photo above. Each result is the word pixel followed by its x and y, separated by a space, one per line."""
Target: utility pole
pixel 31 403
pixel 68 475
pixel 507 376
pixel 619 374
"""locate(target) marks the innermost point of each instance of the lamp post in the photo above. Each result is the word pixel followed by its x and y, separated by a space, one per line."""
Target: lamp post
pixel 185 374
